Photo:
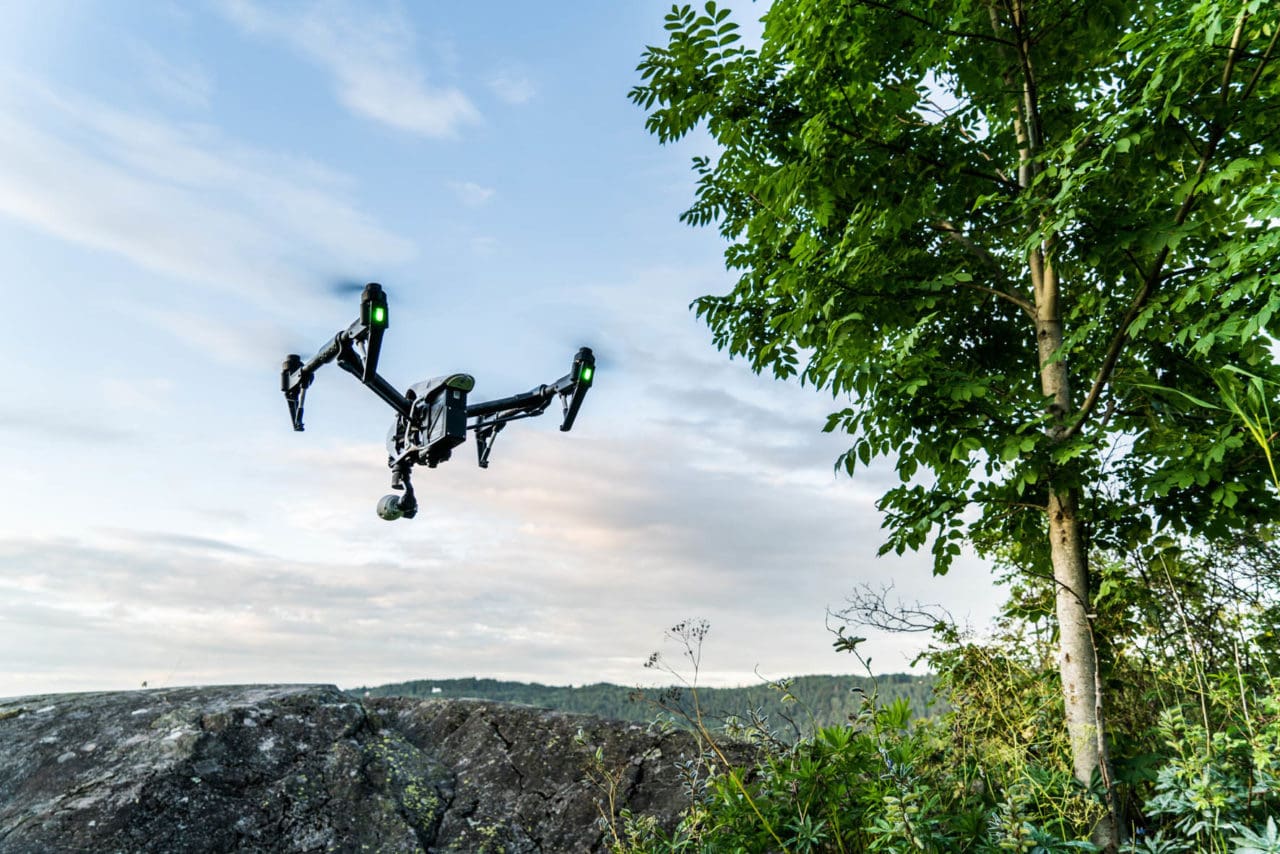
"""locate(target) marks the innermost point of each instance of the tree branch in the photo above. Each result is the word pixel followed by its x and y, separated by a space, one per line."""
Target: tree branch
pixel 1262 63
pixel 1137 265
pixel 1232 53
pixel 902 13
pixel 868 606
pixel 929 161
pixel 1018 301
pixel 983 255
pixel 1153 278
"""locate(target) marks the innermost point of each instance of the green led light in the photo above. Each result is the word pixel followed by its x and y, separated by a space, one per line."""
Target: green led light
pixel 586 373
pixel 379 315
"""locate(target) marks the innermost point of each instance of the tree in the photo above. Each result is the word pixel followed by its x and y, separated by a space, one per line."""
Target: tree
pixel 1026 240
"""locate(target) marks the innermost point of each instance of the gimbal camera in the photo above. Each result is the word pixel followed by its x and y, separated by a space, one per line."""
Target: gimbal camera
pixel 432 417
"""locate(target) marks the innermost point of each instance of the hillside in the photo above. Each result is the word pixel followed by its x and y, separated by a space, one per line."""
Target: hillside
pixel 820 700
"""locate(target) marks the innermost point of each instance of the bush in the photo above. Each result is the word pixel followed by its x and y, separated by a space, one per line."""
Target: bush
pixel 1195 737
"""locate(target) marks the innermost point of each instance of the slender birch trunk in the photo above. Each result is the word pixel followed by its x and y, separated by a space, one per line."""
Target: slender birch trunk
pixel 1068 552
pixel 1076 657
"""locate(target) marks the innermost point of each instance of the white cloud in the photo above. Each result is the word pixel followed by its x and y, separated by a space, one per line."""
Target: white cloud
pixel 247 342
pixel 512 87
pixel 185 83
pixel 471 194
pixel 60 426
pixel 687 488
pixel 563 562
pixel 145 394
pixel 178 199
pixel 371 59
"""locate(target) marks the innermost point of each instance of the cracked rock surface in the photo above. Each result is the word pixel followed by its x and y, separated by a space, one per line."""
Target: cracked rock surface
pixel 307 768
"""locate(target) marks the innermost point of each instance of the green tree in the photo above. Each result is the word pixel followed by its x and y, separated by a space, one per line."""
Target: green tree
pixel 1026 240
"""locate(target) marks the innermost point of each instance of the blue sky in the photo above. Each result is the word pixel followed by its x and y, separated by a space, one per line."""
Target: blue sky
pixel 182 186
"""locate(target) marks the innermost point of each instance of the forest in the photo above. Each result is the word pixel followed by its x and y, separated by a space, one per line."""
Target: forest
pixel 812 701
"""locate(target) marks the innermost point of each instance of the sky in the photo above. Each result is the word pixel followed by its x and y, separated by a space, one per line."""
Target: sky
pixel 185 188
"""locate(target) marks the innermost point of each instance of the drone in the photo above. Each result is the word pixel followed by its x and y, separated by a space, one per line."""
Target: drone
pixel 433 416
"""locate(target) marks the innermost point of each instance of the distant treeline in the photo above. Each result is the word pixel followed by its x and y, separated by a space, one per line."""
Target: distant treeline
pixel 818 700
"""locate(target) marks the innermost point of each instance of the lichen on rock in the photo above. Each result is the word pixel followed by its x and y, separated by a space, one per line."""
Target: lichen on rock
pixel 306 768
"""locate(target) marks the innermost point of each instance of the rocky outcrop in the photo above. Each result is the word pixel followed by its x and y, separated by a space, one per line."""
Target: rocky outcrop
pixel 310 769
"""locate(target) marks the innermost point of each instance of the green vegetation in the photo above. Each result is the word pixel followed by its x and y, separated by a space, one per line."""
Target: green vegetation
pixel 1031 248
pixel 1196 759
pixel 831 700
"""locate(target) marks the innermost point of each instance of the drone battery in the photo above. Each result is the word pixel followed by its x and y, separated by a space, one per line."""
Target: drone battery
pixel 440 416
pixel 446 422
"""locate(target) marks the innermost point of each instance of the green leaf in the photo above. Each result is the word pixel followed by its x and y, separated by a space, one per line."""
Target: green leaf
pixel 945 273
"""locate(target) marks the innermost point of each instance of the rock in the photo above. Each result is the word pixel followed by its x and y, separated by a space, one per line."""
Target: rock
pixel 307 768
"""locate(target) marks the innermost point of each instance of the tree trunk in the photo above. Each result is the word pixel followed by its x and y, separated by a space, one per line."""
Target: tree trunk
pixel 1077 656
pixel 1068 552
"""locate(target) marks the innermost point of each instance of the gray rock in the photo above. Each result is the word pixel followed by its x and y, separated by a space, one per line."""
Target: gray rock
pixel 306 768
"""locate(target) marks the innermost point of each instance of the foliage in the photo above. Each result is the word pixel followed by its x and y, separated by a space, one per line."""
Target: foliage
pixel 880 782
pixel 875 185
pixel 1200 763
pixel 1028 240
pixel 1219 785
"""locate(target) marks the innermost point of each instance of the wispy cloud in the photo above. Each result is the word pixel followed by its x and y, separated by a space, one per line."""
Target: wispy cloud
pixel 562 562
pixel 177 199
pixel 59 426
pixel 145 394
pixel 370 57
pixel 471 194
pixel 242 342
pixel 512 86
pixel 185 83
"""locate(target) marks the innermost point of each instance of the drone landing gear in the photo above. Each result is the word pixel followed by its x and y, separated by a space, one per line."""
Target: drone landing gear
pixel 486 432
pixel 392 507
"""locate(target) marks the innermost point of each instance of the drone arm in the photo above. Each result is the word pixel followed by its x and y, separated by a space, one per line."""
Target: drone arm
pixel 326 355
pixel 293 382
pixel 388 393
pixel 367 330
pixel 296 377
pixel 492 415
pixel 572 386
pixel 350 362
pixel 530 402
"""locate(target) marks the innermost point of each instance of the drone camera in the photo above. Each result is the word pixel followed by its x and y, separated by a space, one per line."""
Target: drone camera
pixel 389 508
